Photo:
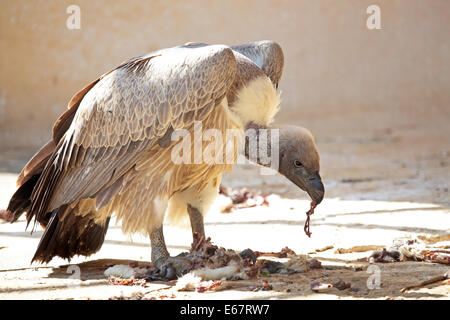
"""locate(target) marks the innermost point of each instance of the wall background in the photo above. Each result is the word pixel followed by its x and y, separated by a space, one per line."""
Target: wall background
pixel 340 78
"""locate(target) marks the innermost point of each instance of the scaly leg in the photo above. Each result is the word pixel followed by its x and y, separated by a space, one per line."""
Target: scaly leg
pixel 170 267
pixel 197 204
pixel 196 218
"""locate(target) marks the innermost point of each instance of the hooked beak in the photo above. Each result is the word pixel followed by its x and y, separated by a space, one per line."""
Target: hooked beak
pixel 314 187
pixel 311 183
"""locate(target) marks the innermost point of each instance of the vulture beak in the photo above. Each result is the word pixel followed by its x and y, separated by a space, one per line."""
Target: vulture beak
pixel 314 187
pixel 311 183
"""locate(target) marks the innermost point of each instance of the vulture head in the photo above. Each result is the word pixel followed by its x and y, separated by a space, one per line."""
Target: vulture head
pixel 299 160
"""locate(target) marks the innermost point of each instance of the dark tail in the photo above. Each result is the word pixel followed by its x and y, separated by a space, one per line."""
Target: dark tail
pixel 68 235
pixel 21 200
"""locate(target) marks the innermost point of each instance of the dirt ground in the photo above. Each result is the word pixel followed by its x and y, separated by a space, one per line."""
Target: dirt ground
pixel 382 182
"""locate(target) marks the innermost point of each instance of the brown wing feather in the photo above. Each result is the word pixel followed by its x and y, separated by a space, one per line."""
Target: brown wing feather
pixel 64 121
pixel 126 112
pixel 268 55
pixel 38 161
pixel 36 164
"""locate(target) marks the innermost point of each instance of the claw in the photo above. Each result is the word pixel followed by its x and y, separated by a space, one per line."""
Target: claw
pixel 174 267
pixel 169 272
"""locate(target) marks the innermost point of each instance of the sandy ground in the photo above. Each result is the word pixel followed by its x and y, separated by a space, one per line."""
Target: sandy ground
pixel 381 184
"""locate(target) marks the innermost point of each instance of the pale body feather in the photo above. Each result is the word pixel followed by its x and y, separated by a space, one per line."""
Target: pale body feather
pixel 257 102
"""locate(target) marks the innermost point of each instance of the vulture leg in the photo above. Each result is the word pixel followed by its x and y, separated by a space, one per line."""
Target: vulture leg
pixel 197 204
pixel 196 218
pixel 170 267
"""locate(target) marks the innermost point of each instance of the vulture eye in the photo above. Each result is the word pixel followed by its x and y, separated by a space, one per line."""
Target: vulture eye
pixel 297 163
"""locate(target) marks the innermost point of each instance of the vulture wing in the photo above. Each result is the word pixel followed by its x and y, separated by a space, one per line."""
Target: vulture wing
pixel 124 113
pixel 31 172
pixel 267 55
pixel 38 161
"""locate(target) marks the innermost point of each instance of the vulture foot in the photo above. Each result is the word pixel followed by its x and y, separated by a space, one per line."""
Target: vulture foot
pixel 173 267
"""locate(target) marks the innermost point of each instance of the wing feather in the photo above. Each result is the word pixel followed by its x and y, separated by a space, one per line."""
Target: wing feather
pixel 124 113
pixel 268 55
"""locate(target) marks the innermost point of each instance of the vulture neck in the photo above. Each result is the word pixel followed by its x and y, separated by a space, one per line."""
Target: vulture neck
pixel 255 105
pixel 260 141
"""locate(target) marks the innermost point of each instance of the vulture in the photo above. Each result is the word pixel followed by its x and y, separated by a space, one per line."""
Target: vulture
pixel 111 151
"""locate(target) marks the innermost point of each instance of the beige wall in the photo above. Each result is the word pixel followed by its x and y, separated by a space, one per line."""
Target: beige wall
pixel 335 67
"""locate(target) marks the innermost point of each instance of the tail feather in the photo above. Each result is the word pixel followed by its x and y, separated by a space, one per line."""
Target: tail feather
pixel 21 200
pixel 68 235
